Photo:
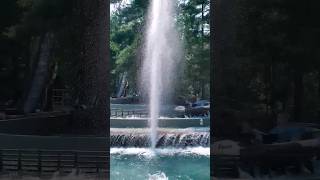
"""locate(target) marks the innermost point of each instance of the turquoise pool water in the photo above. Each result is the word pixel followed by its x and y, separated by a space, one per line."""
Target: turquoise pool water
pixel 161 164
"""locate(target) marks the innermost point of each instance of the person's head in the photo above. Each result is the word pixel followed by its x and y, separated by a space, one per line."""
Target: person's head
pixel 193 98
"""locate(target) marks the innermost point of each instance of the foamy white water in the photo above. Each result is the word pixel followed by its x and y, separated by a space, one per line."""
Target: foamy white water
pixel 160 163
pixel 158 176
pixel 148 152
pixel 162 51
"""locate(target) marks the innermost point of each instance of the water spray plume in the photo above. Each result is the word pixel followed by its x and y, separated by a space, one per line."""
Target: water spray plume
pixel 161 56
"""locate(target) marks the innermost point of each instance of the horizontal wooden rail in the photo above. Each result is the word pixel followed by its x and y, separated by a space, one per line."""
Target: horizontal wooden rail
pixel 225 166
pixel 125 113
pixel 45 161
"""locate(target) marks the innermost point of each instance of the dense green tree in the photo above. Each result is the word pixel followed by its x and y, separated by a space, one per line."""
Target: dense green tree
pixel 266 61
pixel 127 28
pixel 281 37
pixel 194 22
pixel 26 22
pixel 267 53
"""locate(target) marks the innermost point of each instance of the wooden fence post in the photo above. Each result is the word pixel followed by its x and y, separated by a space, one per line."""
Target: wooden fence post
pixel 39 161
pixel 97 165
pixel 19 160
pixel 59 162
pixel 76 162
pixel 1 161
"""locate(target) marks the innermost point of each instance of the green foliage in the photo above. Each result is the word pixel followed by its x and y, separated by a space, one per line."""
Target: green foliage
pixel 22 22
pixel 127 25
pixel 9 13
pixel 126 37
pixel 43 15
pixel 25 21
pixel 194 18
pixel 278 41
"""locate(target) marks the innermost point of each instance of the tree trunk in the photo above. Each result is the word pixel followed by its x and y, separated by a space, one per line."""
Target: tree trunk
pixel 203 89
pixel 272 89
pixel 298 94
pixel 202 22
pixel 267 88
pixel 94 55
pixel 222 34
pixel 318 108
pixel 39 75
pixel 202 34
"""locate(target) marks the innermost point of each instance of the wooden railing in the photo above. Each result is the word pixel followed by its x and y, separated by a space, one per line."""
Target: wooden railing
pixel 50 161
pixel 225 166
pixel 58 97
pixel 125 113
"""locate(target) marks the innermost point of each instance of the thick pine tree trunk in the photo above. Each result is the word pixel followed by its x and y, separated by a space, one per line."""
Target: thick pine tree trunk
pixel 298 94
pixel 94 71
pixel 318 108
pixel 223 57
pixel 39 75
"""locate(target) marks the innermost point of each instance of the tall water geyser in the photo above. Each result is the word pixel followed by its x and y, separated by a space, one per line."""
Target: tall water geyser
pixel 161 56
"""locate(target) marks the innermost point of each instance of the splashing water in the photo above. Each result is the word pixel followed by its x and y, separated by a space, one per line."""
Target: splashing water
pixel 158 176
pixel 165 139
pixel 160 163
pixel 162 53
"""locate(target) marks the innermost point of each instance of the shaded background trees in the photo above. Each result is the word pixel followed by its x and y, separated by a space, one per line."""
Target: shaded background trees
pixel 269 61
pixel 28 26
pixel 47 45
pixel 22 39
pixel 268 54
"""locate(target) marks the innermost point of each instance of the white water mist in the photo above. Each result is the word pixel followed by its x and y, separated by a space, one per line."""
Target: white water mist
pixel 161 56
